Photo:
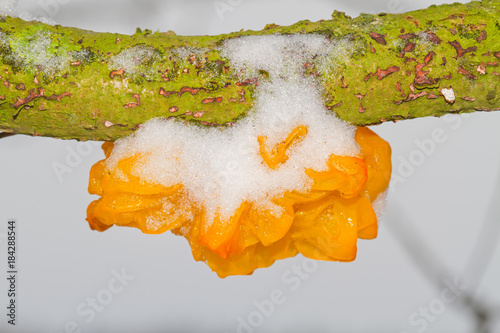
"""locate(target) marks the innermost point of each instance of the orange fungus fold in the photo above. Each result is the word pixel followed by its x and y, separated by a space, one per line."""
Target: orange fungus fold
pixel 323 222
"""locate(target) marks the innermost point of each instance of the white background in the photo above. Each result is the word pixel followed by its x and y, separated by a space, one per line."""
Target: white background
pixel 430 235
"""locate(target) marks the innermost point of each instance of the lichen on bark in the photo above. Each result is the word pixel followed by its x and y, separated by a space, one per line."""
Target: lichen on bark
pixel 86 85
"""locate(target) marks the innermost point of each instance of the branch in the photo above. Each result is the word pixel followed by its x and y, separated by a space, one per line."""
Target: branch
pixel 76 84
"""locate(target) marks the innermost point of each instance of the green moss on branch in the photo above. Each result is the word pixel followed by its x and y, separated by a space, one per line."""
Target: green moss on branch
pixel 87 85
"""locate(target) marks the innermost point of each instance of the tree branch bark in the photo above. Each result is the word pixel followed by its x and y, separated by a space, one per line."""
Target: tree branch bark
pixel 76 84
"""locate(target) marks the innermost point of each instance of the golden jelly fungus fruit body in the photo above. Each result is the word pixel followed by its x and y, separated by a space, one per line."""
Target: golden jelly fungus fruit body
pixel 323 222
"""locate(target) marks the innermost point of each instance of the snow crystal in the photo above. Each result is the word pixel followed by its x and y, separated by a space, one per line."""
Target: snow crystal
pixel 379 205
pixel 39 53
pixel 4 41
pixel 9 8
pixel 135 60
pixel 222 167
pixel 36 53
pixel 184 52
pixel 448 94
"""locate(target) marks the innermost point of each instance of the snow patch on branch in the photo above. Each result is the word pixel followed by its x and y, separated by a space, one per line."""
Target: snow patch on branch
pixel 136 60
pixel 39 52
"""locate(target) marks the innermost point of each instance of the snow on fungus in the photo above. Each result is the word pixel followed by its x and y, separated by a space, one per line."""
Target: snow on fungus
pixel 288 178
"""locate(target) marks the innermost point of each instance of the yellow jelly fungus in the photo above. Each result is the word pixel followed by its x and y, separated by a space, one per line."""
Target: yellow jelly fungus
pixel 322 223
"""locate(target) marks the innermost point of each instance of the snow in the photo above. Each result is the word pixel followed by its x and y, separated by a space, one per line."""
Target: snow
pixel 221 168
pixel 448 94
pixel 4 42
pixel 36 53
pixel 135 60
pixel 39 52
pixel 9 8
